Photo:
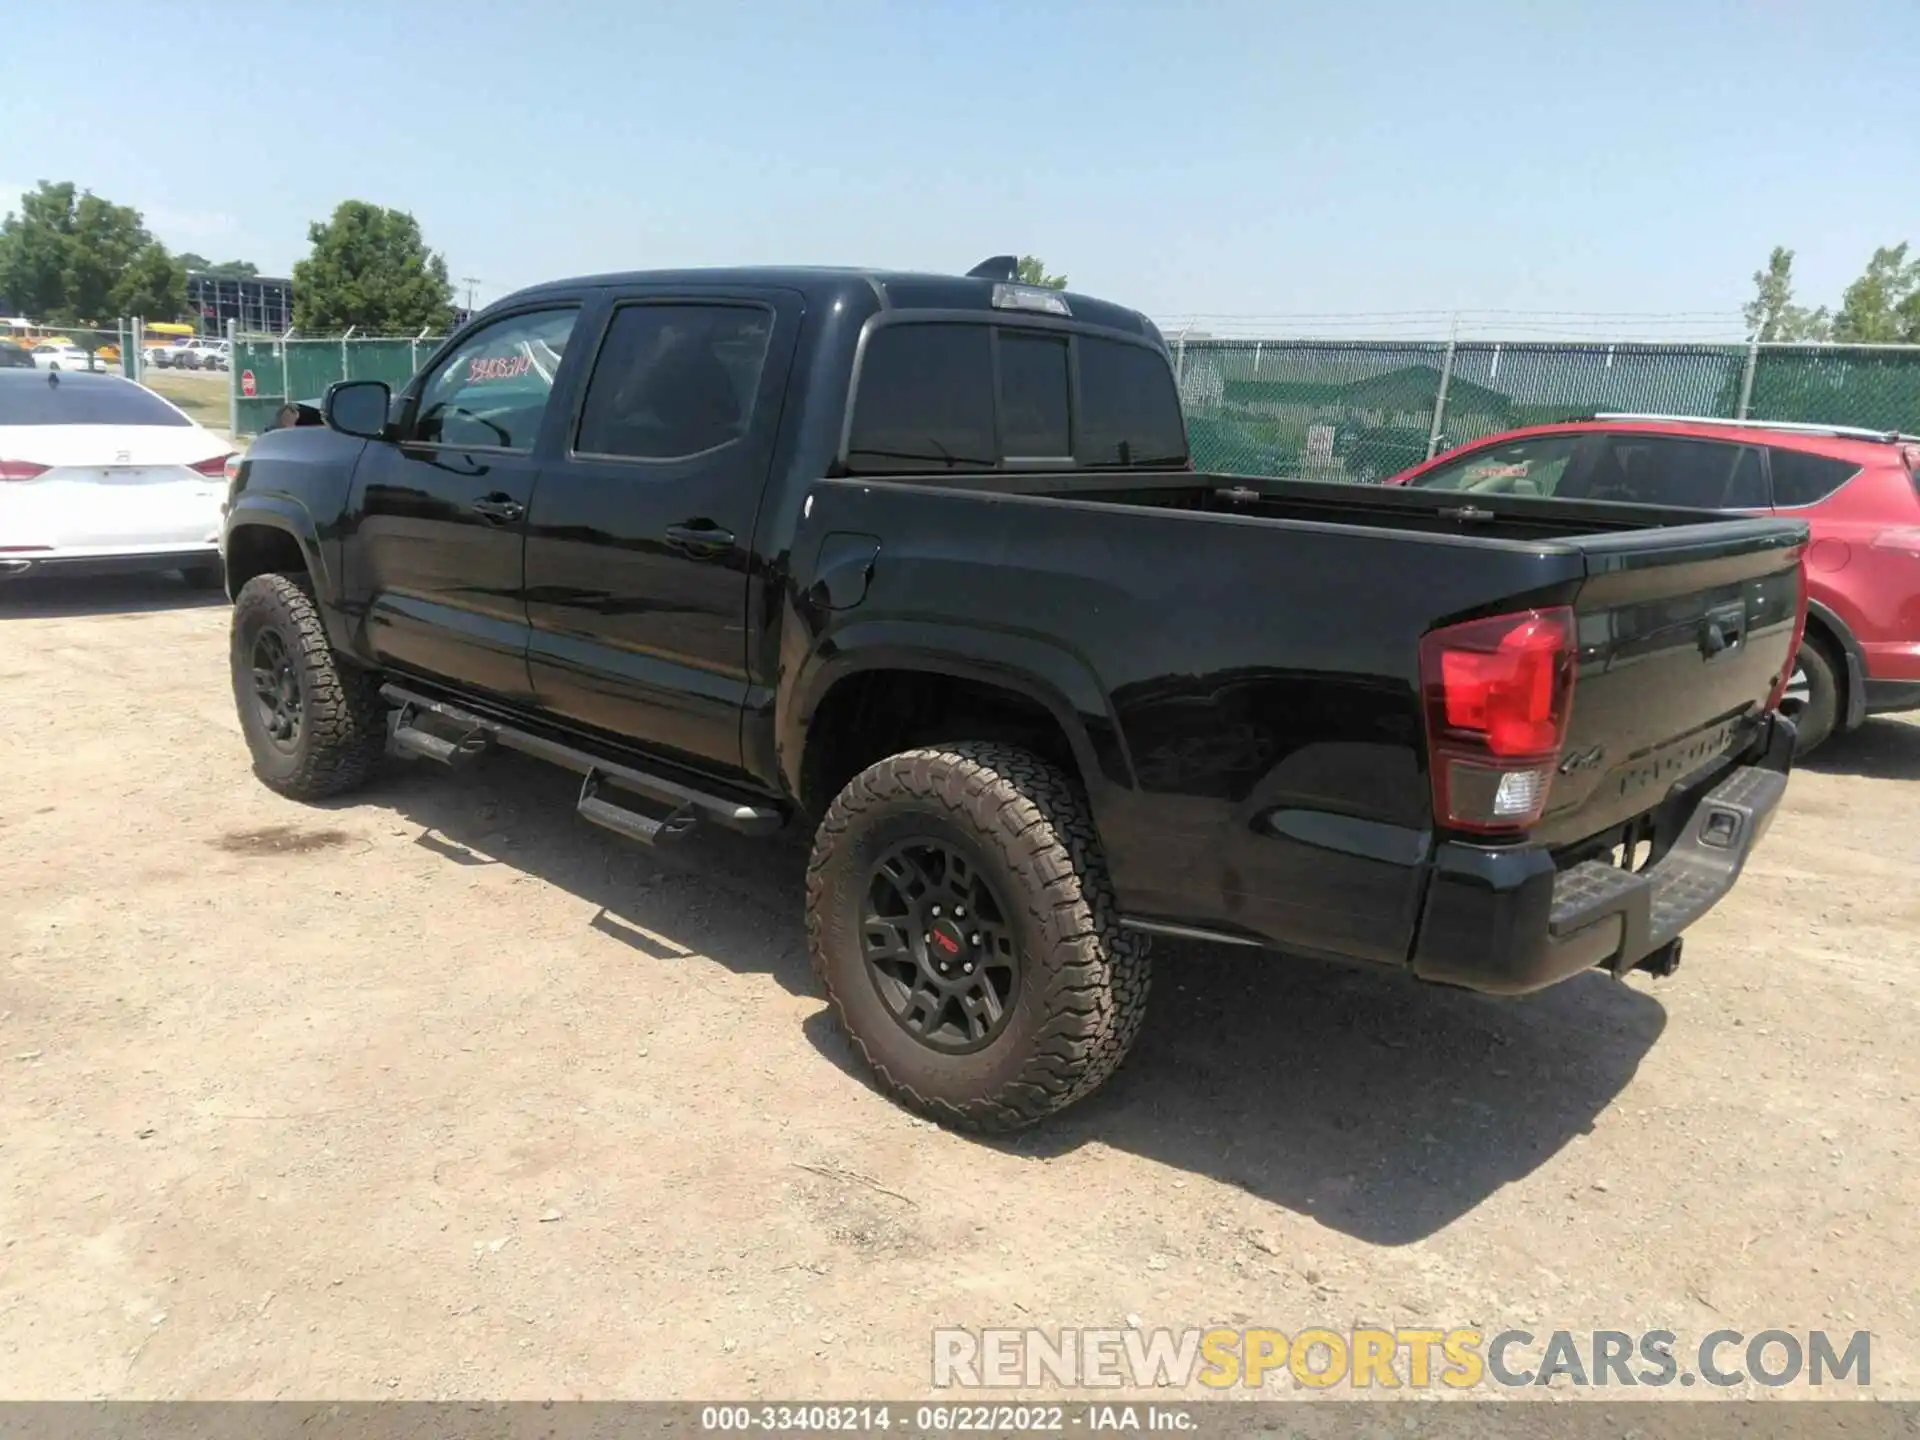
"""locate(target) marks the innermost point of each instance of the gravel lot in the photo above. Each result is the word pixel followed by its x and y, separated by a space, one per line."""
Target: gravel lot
pixel 442 1092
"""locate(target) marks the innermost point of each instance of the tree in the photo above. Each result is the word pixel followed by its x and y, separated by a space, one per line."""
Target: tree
pixel 1033 271
pixel 371 270
pixel 72 258
pixel 153 286
pixel 1883 305
pixel 226 270
pixel 1772 315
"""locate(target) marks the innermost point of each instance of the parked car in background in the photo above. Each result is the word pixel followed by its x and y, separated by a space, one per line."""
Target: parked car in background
pixel 65 355
pixel 215 355
pixel 15 357
pixel 1858 490
pixel 99 475
pixel 174 355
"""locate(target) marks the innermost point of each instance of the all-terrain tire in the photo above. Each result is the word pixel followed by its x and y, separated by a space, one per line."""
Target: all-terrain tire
pixel 1082 979
pixel 1816 718
pixel 342 728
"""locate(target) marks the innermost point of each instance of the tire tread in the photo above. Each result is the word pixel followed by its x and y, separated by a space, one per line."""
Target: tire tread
pixel 1092 975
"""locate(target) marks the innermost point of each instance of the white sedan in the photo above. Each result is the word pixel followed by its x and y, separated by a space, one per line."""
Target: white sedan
pixel 52 356
pixel 99 475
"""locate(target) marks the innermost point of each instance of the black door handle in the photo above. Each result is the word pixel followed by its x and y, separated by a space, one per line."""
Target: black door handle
pixel 500 508
pixel 701 539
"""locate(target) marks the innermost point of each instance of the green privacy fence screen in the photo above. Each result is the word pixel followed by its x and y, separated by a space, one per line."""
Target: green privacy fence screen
pixel 1339 409
pixel 297 369
pixel 1357 410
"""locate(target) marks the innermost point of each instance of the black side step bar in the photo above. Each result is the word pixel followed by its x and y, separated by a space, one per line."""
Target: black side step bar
pixel 687 807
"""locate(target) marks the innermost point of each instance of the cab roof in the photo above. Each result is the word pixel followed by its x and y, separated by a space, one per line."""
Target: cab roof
pixel 879 289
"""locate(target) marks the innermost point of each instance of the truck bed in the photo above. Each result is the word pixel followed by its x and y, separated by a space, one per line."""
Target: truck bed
pixel 1489 517
pixel 1243 656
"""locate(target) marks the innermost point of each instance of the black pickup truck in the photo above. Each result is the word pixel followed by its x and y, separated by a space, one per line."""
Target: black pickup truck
pixel 920 562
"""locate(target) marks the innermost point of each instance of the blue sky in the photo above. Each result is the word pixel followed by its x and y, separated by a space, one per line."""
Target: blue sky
pixel 1235 158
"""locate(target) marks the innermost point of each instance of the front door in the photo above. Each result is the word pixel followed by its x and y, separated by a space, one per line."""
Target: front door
pixel 437 558
pixel 641 533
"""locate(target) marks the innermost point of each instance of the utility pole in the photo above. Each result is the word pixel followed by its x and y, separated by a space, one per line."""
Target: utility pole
pixel 470 281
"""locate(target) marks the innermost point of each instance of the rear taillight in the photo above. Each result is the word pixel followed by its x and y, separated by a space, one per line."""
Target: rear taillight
pixel 1498 694
pixel 213 469
pixel 20 470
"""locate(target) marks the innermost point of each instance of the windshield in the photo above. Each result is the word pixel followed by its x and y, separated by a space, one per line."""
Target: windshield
pixel 76 402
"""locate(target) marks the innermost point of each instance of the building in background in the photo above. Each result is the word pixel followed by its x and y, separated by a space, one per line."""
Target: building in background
pixel 262 305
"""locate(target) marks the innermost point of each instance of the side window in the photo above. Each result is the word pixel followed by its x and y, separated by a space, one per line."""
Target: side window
pixel 492 391
pixel 1803 479
pixel 1658 470
pixel 1525 467
pixel 1130 407
pixel 925 400
pixel 1033 396
pixel 674 380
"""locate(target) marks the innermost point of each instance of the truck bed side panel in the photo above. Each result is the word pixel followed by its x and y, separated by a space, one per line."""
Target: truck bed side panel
pixel 1261 677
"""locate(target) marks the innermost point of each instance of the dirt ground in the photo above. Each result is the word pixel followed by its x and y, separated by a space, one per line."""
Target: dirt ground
pixel 441 1092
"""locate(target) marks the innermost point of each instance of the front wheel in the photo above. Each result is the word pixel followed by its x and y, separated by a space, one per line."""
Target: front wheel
pixel 316 726
pixel 960 918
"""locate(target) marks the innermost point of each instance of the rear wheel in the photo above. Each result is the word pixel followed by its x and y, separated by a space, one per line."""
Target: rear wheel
pixel 316 726
pixel 1812 699
pixel 960 917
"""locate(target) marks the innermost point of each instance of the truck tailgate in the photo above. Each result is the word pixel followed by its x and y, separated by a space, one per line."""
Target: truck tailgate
pixel 1683 634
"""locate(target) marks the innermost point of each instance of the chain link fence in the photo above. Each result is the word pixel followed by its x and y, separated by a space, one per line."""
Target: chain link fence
pixel 1358 410
pixel 1328 409
pixel 65 348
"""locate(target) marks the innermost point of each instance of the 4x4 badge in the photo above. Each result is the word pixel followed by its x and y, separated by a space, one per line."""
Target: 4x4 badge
pixel 1582 760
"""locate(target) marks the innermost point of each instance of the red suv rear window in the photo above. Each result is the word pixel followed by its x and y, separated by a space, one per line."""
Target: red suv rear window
pixel 1803 479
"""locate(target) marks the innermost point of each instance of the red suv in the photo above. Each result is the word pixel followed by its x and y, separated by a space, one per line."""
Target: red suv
pixel 1858 491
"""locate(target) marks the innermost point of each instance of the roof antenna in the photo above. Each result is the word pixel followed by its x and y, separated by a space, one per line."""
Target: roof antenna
pixel 53 379
pixel 999 267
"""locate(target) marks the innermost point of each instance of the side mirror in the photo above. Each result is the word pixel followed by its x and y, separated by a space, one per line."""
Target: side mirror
pixel 358 408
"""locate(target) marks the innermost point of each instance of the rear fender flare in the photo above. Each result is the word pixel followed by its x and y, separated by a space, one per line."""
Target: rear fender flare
pixel 1053 677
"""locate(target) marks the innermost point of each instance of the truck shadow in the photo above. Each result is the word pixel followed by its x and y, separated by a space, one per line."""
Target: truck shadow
pixel 75 598
pixel 714 895
pixel 1381 1108
pixel 1881 749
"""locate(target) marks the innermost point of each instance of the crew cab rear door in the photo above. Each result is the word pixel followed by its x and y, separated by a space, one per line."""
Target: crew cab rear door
pixel 639 538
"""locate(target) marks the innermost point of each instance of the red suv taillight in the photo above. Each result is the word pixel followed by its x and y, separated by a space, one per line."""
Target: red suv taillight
pixel 1498 694
pixel 20 470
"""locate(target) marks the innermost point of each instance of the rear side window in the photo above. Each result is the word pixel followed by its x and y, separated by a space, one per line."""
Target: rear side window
pixel 1659 470
pixel 1803 479
pixel 674 380
pixel 925 400
pixel 84 402
pixel 1130 409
